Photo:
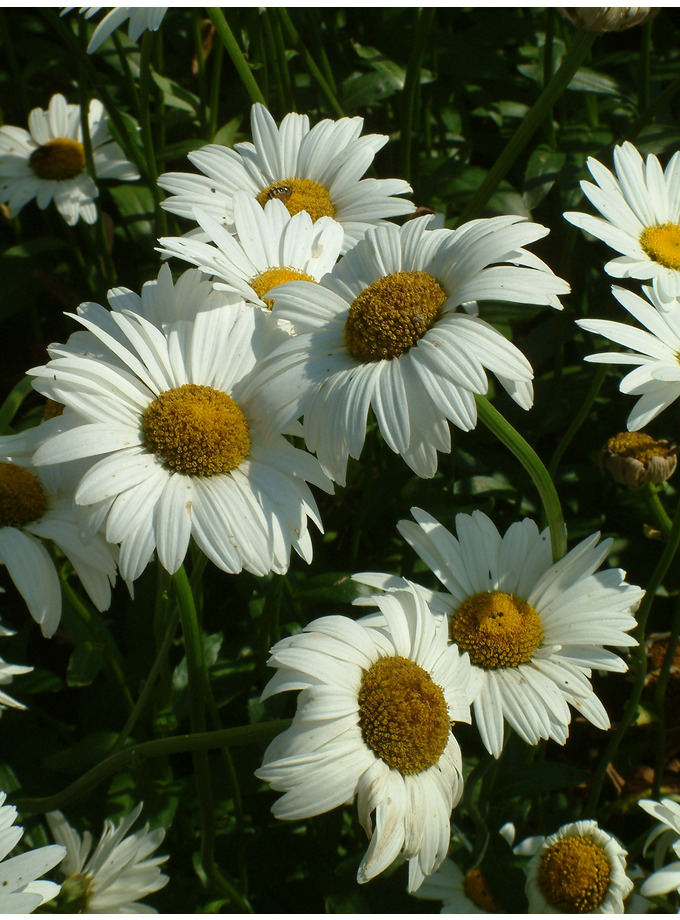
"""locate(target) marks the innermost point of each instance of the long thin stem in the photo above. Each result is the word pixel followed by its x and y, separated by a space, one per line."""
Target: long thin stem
pixel 578 419
pixel 639 663
pixel 659 701
pixel 215 78
pixel 532 463
pixel 147 134
pixel 235 53
pixel 293 36
pixel 653 502
pixel 530 124
pixel 196 16
pixel 411 84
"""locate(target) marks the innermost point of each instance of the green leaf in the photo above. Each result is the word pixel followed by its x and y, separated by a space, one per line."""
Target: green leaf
pixel 11 405
pixel 543 170
pixel 83 755
pixel 136 206
pixel 228 133
pixel 176 96
pixel 85 664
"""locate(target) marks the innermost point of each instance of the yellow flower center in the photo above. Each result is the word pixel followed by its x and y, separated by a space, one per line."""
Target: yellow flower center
pixel 662 244
pixel 22 497
pixel 52 410
pixel 476 889
pixel 392 314
pixel 268 279
pixel 497 630
pixel 638 445
pixel 196 430
pixel 300 195
pixel 403 715
pixel 574 875
pixel 61 158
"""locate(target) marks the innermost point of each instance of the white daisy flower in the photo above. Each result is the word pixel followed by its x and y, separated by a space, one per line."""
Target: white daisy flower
pixel 640 209
pixel 317 170
pixel 141 18
pixel 21 891
pixel 656 379
pixel 665 835
pixel 33 508
pixel 534 630
pixel 580 869
pixel 7 674
pixel 186 449
pixel 47 162
pixel 271 246
pixel 374 720
pixel 118 874
pixel 384 330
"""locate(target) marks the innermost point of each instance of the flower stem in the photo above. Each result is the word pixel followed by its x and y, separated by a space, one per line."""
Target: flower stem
pixel 235 53
pixel 639 663
pixel 411 84
pixel 147 134
pixel 532 463
pixel 293 36
pixel 530 123
pixel 659 701
pixel 653 502
pixel 578 419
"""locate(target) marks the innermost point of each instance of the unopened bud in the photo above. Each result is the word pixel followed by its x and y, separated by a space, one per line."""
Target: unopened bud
pixel 634 459
pixel 609 18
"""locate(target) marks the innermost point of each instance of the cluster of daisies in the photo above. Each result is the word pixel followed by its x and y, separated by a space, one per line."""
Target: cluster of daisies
pixel 169 418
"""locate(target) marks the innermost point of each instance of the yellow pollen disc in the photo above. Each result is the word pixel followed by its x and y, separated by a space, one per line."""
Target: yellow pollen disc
pixel 574 875
pixel 196 430
pixel 662 244
pixel 300 195
pixel 497 630
pixel 61 158
pixel 268 279
pixel 638 445
pixel 403 715
pixel 392 314
pixel 476 889
pixel 22 498
pixel 52 409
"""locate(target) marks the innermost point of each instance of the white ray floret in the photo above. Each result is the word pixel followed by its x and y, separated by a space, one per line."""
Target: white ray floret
pixel 47 162
pixel 141 18
pixel 640 208
pixel 665 836
pixel 118 873
pixel 374 721
pixel 315 169
pixel 534 630
pixel 186 449
pixel 654 351
pixel 390 329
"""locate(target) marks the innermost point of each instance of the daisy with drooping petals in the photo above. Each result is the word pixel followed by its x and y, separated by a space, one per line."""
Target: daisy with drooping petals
pixel 640 209
pixel 317 170
pixel 33 508
pixel 47 162
pixel 186 449
pixel 21 890
pixel 534 630
pixel 271 246
pixel 141 18
pixel 374 720
pixel 384 330
pixel 656 379
pixel 120 871
pixel 580 869
pixel 665 836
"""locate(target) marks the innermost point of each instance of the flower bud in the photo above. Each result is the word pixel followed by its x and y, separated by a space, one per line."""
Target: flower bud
pixel 634 459
pixel 609 18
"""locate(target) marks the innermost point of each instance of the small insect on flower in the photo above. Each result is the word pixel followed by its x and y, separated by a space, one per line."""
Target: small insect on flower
pixel 282 192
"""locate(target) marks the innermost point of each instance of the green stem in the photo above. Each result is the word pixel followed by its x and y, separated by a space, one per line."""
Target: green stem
pixel 645 48
pixel 11 405
pixel 235 53
pixel 293 36
pixel 148 40
pixel 530 123
pixel 280 45
pixel 659 701
pixel 278 60
pixel 548 48
pixel 411 85
pixel 133 755
pixel 661 100
pixel 653 502
pixel 578 419
pixel 215 77
pixel 639 663
pixel 200 64
pixel 532 463
pixel 127 73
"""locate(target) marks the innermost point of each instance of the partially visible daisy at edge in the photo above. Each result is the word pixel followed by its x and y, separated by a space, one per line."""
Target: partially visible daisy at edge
pixel 656 376
pixel 579 869
pixel 36 508
pixel 374 720
pixel 141 18
pixel 8 672
pixel 182 446
pixel 21 888
pixel 665 836
pixel 270 246
pixel 640 208
pixel 117 874
pixel 47 162
pixel 385 330
pixel 316 169
pixel 534 629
